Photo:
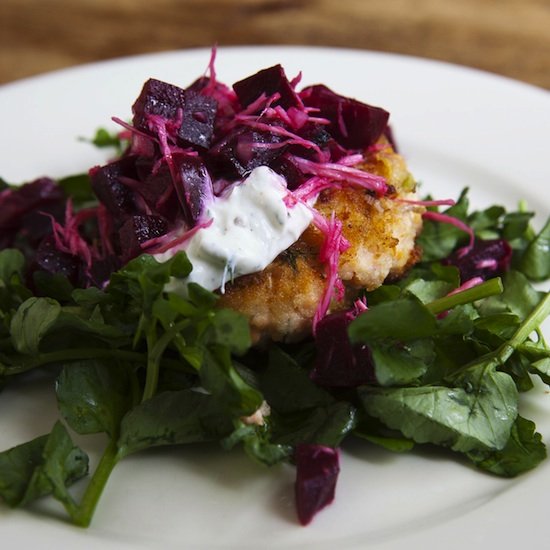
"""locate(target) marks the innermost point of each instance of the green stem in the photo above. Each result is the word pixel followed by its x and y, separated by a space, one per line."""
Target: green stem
pixel 531 323
pixel 83 353
pixel 155 349
pixel 85 511
pixel 478 292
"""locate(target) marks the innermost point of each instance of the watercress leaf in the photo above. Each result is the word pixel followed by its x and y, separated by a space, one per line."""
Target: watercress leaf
pixel 287 387
pixel 515 225
pixel 220 378
pixel 519 297
pixel 93 397
pixel 172 418
pixel 323 425
pixel 31 322
pixel 201 297
pixel 396 444
pixel 63 464
pixel 535 262
pixel 400 366
pixel 12 263
pixel 143 279
pixel 478 411
pixel 16 468
pixel 44 465
pixel 438 240
pixel 402 320
pixel 53 285
pixel 426 291
pixel 79 188
pixel 231 329
pixel 542 369
pixel 257 445
pixel 523 451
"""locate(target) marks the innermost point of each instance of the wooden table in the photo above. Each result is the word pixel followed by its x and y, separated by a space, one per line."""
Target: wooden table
pixel 509 37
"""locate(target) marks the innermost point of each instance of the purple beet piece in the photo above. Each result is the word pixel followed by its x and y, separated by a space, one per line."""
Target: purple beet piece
pixel 317 469
pixel 52 260
pixel 157 98
pixel 196 184
pixel 136 230
pixel 338 363
pixel 268 81
pixel 287 168
pixel 158 192
pixel 244 149
pixel 23 209
pixel 353 124
pixel 485 259
pixel 109 189
pixel 199 114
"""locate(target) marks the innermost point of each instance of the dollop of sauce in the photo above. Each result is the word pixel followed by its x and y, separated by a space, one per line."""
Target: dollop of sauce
pixel 250 227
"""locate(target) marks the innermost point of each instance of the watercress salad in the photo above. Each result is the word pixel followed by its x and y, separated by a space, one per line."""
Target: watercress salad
pixel 421 361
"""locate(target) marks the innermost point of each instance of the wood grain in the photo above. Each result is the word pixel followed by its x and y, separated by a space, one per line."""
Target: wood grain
pixel 509 37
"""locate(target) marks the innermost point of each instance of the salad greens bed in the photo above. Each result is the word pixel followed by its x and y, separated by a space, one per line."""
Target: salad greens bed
pixel 437 358
pixel 149 368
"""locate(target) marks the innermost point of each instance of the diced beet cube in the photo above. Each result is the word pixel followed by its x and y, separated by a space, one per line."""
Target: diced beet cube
pixel 199 114
pixel 245 149
pixel 196 184
pixel 157 190
pixel 136 230
pixel 41 194
pixel 102 268
pixel 485 259
pixel 268 81
pixel 353 124
pixel 287 168
pixel 157 98
pixel 109 189
pixel 317 469
pixel 338 363
pixel 52 260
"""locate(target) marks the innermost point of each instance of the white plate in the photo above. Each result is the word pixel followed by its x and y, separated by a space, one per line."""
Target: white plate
pixel 457 127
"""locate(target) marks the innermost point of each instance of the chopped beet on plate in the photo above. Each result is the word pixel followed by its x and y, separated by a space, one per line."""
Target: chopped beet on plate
pixel 485 259
pixel 353 124
pixel 157 98
pixel 338 363
pixel 107 183
pixel 317 469
pixel 267 82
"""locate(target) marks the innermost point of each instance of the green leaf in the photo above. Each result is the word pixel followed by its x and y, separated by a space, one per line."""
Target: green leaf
pixel 399 366
pixel 523 451
pixel 53 285
pixel 287 387
pixel 403 320
pixel 542 369
pixel 12 263
pixel 31 322
pixel 323 425
pixel 519 297
pixel 535 262
pixel 172 418
pixel 79 188
pixel 93 397
pixel 476 413
pixel 45 465
pixel 437 239
pixel 220 378
pixel 231 329
pixel 257 445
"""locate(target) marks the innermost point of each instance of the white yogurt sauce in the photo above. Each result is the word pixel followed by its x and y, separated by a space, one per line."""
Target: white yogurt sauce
pixel 250 227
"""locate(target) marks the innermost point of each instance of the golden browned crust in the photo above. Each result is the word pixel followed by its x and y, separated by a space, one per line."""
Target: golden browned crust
pixel 281 300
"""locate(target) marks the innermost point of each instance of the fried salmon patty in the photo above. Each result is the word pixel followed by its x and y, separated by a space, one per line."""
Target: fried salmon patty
pixel 280 301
